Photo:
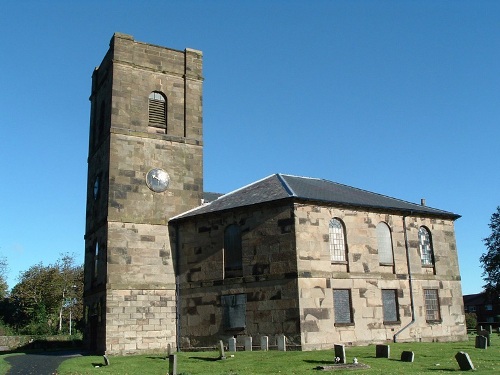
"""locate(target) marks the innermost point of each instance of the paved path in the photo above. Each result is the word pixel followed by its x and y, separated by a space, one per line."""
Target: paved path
pixel 44 363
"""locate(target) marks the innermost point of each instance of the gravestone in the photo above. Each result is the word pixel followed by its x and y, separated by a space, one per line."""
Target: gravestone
pixel 464 361
pixel 491 329
pixel 486 334
pixel 106 360
pixel 248 343
pixel 339 353
pixel 382 351
pixel 231 344
pixel 222 355
pixel 481 342
pixel 281 343
pixel 264 343
pixel 172 364
pixel 407 356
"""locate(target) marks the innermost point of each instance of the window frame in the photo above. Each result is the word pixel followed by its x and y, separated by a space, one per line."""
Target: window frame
pixel 337 241
pixel 233 251
pixel 340 321
pixel 395 307
pixel 157 117
pixel 432 305
pixel 384 244
pixel 426 249
pixel 234 304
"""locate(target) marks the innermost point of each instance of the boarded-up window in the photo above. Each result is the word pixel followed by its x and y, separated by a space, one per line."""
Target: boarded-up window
pixel 157 110
pixel 235 311
pixel 342 306
pixel 431 305
pixel 390 305
pixel 337 241
pixel 233 258
pixel 384 244
pixel 425 245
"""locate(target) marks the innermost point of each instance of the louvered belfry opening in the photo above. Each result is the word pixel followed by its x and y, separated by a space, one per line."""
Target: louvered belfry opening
pixel 157 110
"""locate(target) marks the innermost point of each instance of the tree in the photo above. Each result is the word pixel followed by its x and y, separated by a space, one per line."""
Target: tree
pixel 491 259
pixel 4 287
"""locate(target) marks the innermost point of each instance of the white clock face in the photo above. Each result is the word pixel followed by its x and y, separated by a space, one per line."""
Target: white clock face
pixel 157 180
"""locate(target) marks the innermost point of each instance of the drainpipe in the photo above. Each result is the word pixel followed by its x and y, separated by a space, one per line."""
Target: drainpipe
pixel 410 280
pixel 177 291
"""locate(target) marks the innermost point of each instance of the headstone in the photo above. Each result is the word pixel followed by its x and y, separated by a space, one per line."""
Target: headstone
pixel 490 329
pixel 231 344
pixel 106 360
pixel 248 343
pixel 464 361
pixel 487 335
pixel 339 353
pixel 383 351
pixel 222 355
pixel 172 364
pixel 481 342
pixel 264 343
pixel 281 343
pixel 407 356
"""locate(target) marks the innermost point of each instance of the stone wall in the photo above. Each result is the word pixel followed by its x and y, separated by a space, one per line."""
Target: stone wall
pixel 365 277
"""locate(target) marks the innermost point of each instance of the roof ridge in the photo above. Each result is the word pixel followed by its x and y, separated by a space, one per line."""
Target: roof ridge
pixel 287 187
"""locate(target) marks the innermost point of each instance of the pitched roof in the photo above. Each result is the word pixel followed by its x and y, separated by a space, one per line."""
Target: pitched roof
pixel 280 186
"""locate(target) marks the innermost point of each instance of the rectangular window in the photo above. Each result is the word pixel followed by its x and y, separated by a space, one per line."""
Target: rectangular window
pixel 390 305
pixel 489 307
pixel 342 306
pixel 234 311
pixel 431 305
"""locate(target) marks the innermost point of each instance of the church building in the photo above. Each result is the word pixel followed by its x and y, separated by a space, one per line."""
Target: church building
pixel 166 263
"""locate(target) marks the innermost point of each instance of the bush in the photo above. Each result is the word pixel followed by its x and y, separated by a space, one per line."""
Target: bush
pixel 471 320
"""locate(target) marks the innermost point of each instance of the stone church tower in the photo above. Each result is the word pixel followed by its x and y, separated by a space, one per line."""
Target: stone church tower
pixel 144 167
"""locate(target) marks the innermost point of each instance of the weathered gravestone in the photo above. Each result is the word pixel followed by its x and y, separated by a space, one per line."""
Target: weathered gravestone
pixel 464 361
pixel 231 344
pixel 172 364
pixel 106 360
pixel 382 351
pixel 486 334
pixel 281 339
pixel 339 352
pixel 407 356
pixel 264 343
pixel 248 343
pixel 481 342
pixel 222 355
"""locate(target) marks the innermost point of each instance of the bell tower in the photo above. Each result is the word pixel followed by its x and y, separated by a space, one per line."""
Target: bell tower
pixel 145 165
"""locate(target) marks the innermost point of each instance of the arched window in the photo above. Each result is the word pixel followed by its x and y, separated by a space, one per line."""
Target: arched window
pixel 384 244
pixel 425 246
pixel 96 260
pixel 157 110
pixel 337 241
pixel 233 258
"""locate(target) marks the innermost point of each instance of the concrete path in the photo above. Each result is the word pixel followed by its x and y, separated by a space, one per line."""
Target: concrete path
pixel 43 363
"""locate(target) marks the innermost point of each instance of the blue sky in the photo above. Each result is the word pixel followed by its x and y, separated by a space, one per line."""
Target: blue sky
pixel 397 97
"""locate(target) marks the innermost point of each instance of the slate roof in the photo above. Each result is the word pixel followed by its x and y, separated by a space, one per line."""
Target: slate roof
pixel 281 186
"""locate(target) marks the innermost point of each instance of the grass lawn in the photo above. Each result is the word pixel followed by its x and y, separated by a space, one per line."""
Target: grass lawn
pixel 430 358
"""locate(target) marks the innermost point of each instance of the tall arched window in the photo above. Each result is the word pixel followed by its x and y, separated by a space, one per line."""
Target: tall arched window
pixel 96 260
pixel 233 257
pixel 337 241
pixel 157 110
pixel 384 244
pixel 425 246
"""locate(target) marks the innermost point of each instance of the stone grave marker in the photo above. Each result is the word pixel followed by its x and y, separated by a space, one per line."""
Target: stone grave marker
pixel 281 343
pixel 486 334
pixel 106 360
pixel 464 361
pixel 407 356
pixel 382 351
pixel 248 343
pixel 339 350
pixel 231 344
pixel 172 364
pixel 264 343
pixel 222 355
pixel 481 342
pixel 490 329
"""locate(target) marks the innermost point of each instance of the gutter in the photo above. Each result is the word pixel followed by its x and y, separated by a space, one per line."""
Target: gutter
pixel 177 291
pixel 410 282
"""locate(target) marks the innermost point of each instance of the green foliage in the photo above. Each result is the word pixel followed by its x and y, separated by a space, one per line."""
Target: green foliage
pixel 41 301
pixel 471 320
pixel 491 259
pixel 430 358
